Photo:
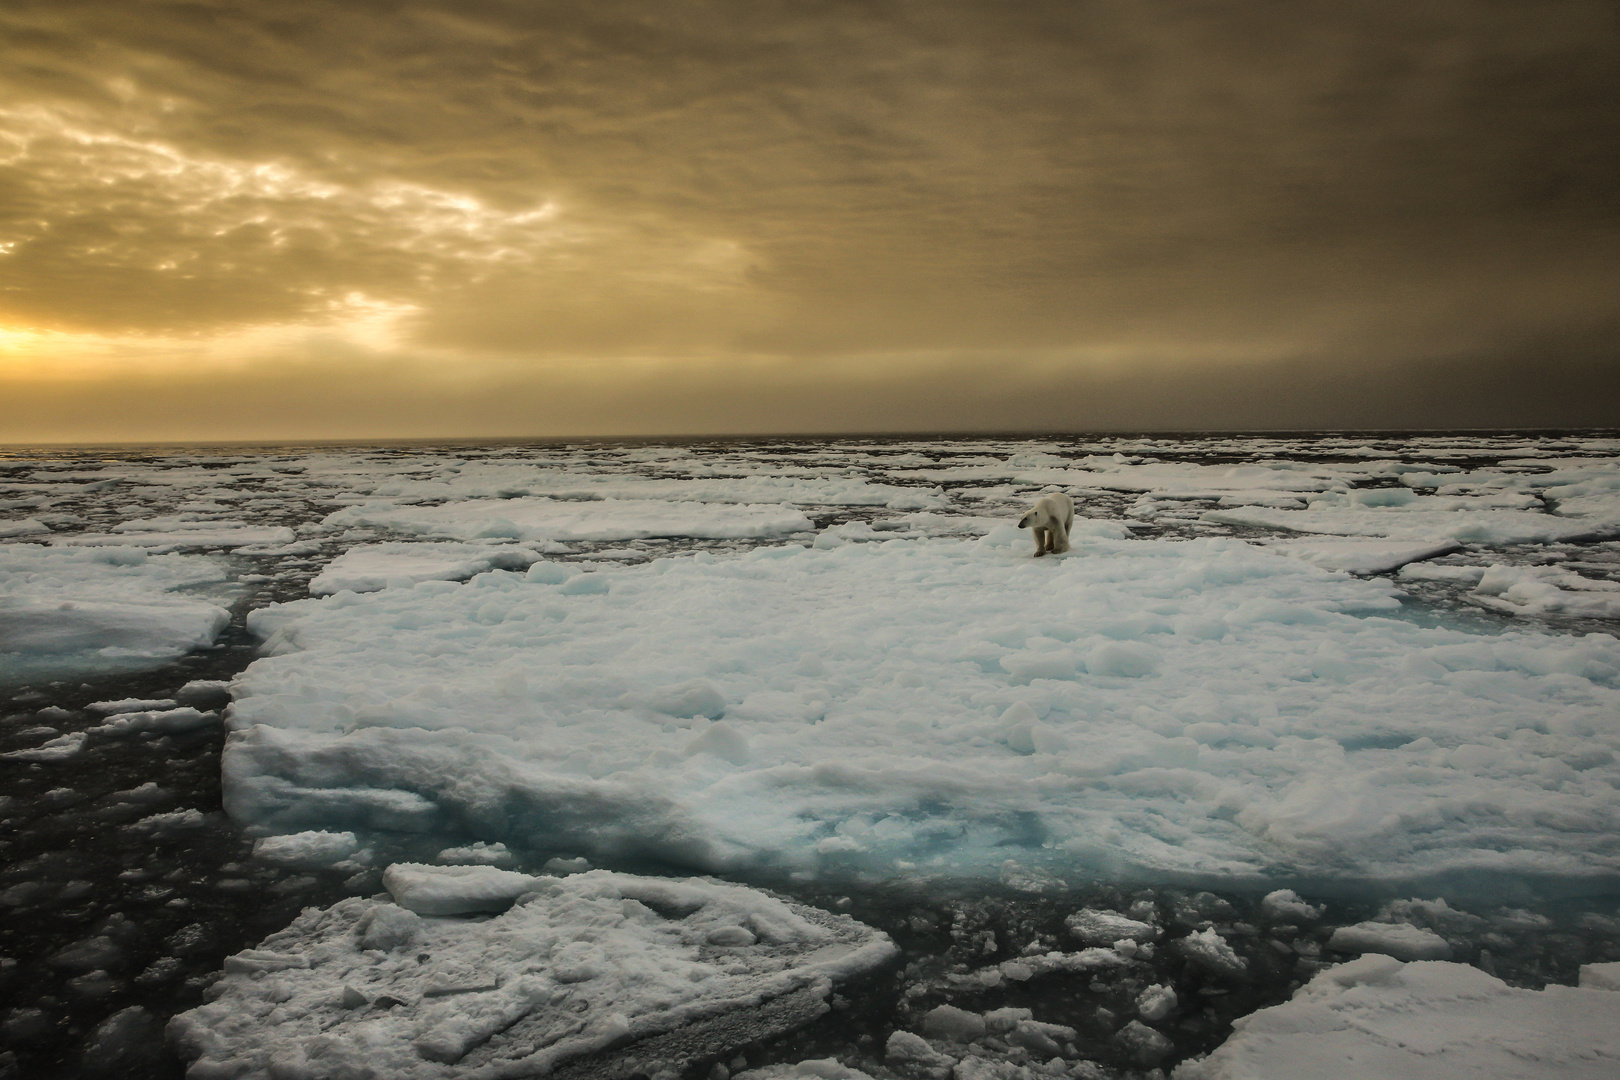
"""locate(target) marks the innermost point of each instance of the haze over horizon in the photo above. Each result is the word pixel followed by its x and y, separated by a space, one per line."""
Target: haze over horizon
pixel 311 220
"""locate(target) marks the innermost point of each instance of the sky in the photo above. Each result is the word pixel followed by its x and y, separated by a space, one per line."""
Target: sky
pixel 240 219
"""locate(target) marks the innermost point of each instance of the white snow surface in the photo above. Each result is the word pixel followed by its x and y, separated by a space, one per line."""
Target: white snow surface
pixel 179 533
pixel 1431 519
pixel 1360 556
pixel 164 721
pixel 64 612
pixel 1403 941
pixel 307 849
pixel 454 890
pixel 369 567
pixel 570 519
pixel 812 1069
pixel 1377 1019
pixel 1137 707
pixel 580 965
pixel 1539 590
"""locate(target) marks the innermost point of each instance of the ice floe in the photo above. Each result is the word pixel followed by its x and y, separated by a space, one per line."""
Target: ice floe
pixel 1376 1017
pixel 1137 707
pixel 369 567
pixel 66 611
pixel 564 520
pixel 598 971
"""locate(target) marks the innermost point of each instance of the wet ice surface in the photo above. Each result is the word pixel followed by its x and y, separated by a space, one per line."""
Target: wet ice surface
pixel 125 886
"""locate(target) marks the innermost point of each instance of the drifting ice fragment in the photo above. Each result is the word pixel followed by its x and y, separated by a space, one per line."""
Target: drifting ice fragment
pixel 1209 950
pixel 1097 927
pixel 1400 940
pixel 590 971
pixel 1286 905
pixel 307 849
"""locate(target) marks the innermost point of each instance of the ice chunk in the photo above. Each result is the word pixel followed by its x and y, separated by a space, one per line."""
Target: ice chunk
pixel 166 721
pixel 1400 940
pixel 477 853
pixel 1287 905
pixel 813 1069
pixel 129 705
pixel 596 964
pixel 61 748
pixel 314 848
pixel 1098 927
pixel 909 1048
pixel 1209 950
pixel 956 1025
pixel 454 890
pixel 1544 590
pixel 1045 1040
pixel 1156 1002
pixel 369 567
pixel 1143 1043
pixel 205 693
pixel 1426 1020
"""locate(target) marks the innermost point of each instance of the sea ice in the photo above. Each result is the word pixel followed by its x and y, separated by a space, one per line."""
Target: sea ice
pixel 165 721
pixel 369 567
pixel 597 963
pixel 567 519
pixel 812 1069
pixel 1400 940
pixel 176 535
pixel 23 527
pixel 1542 590
pixel 1376 1018
pixel 1360 556
pixel 314 848
pixel 1428 519
pixel 68 611
pixel 1137 707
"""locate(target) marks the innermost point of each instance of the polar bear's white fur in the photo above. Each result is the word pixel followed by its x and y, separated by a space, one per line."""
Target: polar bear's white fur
pixel 1051 518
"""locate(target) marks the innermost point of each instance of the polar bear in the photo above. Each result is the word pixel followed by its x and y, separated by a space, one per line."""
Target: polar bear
pixel 1051 518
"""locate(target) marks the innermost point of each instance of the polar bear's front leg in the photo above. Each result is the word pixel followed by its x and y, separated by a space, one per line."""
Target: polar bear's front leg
pixel 1042 537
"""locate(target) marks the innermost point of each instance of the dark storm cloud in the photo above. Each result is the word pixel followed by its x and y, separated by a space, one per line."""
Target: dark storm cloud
pixel 1055 183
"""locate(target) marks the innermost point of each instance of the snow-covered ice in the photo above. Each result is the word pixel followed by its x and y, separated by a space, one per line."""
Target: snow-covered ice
pixel 369 567
pixel 597 963
pixel 1377 1018
pixel 305 849
pixel 1361 556
pixel 567 519
pixel 166 721
pixel 1403 941
pixel 108 609
pixel 1139 707
pixel 1348 667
